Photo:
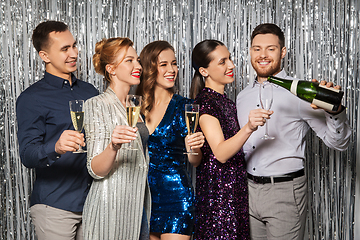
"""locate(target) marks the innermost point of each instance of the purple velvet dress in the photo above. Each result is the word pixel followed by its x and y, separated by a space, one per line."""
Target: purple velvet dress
pixel 222 210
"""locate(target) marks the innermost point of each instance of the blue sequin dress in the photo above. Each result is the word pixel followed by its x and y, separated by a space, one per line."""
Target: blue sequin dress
pixel 172 193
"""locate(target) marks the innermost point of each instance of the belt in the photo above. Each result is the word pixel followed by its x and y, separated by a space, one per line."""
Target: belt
pixel 277 179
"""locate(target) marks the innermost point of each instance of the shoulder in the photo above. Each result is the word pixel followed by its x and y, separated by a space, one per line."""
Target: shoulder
pixel 32 91
pixel 180 100
pixel 100 99
pixel 88 86
pixel 206 96
pixel 35 87
pixel 247 90
pixel 103 106
pixel 210 102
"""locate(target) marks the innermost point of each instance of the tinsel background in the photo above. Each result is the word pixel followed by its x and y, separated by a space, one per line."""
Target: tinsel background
pixel 322 38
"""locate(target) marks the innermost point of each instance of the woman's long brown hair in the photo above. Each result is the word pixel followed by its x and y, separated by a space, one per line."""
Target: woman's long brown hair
pixel 149 62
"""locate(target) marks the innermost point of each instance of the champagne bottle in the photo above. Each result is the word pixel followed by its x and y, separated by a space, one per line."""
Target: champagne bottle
pixel 313 92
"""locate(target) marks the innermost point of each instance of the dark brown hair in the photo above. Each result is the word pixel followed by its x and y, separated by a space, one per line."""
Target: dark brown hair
pixel 106 52
pixel 40 36
pixel 266 28
pixel 201 58
pixel 149 62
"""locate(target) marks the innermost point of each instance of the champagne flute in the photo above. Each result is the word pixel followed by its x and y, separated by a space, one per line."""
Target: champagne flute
pixel 77 118
pixel 192 120
pixel 133 104
pixel 266 99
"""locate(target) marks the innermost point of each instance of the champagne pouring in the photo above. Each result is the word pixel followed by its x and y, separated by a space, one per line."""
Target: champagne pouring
pixel 192 120
pixel 77 118
pixel 266 99
pixel 133 104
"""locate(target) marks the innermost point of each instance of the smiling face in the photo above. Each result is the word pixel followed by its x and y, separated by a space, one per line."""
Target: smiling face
pixel 221 68
pixel 167 69
pixel 128 70
pixel 266 55
pixel 61 55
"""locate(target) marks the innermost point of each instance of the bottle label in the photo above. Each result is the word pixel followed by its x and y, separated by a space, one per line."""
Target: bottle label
pixel 323 104
pixel 293 87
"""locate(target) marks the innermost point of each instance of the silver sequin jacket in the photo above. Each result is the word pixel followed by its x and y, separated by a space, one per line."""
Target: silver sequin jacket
pixel 114 206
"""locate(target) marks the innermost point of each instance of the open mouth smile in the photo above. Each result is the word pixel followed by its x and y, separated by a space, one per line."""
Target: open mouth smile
pixel 230 74
pixel 136 74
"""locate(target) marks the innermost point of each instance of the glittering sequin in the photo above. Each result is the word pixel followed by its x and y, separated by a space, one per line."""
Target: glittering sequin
pixel 170 184
pixel 221 189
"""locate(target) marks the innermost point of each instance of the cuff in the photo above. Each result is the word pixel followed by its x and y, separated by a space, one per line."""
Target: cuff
pixel 50 153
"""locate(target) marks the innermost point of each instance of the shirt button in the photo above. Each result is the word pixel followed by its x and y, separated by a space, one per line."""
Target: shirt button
pixel 258 105
pixel 57 157
pixel 335 119
pixel 254 169
pixel 330 117
pixel 47 165
pixel 65 82
pixel 253 147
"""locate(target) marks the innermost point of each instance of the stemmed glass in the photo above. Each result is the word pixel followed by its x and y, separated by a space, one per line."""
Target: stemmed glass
pixel 192 120
pixel 133 104
pixel 77 118
pixel 266 99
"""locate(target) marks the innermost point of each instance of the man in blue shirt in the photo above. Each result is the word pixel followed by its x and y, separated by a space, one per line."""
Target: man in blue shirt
pixel 47 138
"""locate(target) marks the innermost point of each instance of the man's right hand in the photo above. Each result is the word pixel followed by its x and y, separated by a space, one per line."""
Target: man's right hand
pixel 69 141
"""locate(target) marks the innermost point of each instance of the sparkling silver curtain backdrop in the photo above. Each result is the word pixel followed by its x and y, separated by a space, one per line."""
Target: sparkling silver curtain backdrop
pixel 322 38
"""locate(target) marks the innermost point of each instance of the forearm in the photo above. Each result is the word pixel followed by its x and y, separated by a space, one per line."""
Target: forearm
pixel 228 148
pixel 102 164
pixel 38 155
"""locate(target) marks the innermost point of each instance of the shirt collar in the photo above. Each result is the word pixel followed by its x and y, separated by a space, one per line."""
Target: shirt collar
pixel 58 82
pixel 281 74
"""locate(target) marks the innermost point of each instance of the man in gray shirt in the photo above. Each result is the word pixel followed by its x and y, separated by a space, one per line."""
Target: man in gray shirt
pixel 276 179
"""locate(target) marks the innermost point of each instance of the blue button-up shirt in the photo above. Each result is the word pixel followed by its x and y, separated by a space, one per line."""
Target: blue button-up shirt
pixel 62 181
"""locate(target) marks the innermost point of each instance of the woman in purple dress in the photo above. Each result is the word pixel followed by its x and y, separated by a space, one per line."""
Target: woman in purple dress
pixel 221 183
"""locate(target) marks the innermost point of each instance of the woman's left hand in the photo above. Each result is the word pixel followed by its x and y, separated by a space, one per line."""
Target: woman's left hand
pixel 195 140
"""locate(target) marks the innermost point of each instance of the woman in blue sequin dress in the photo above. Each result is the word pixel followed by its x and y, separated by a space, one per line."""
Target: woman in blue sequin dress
pixel 221 182
pixel 172 212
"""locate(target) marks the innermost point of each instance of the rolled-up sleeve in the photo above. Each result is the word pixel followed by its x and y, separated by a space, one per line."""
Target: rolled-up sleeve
pixel 334 130
pixel 95 129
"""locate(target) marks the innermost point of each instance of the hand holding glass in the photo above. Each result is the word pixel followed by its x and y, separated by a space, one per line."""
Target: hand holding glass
pixel 133 104
pixel 266 99
pixel 192 120
pixel 77 118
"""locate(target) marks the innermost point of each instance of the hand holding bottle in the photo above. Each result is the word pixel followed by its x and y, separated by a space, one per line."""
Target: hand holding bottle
pixel 328 85
pixel 320 95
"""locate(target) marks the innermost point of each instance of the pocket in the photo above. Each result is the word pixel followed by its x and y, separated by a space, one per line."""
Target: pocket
pixel 300 194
